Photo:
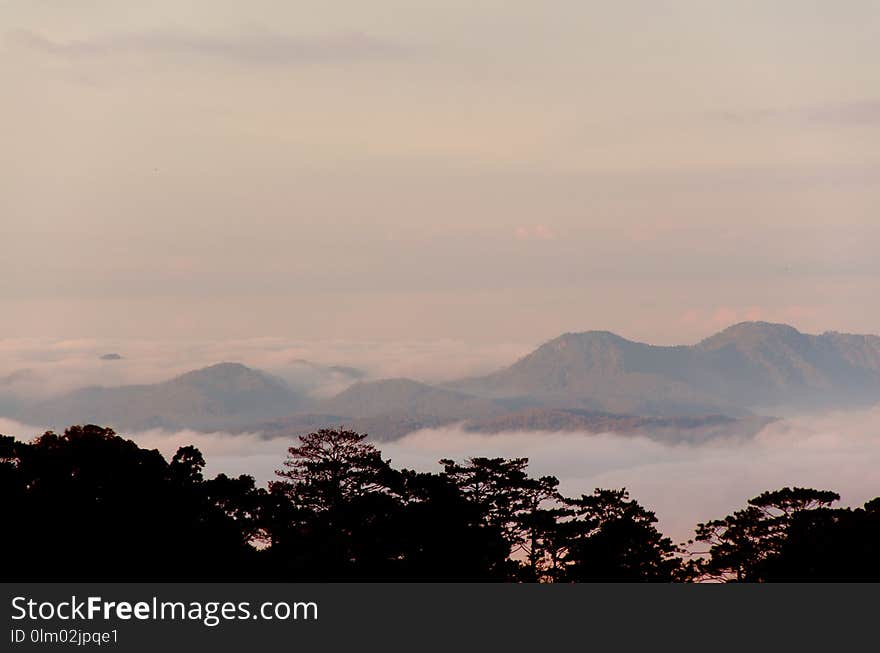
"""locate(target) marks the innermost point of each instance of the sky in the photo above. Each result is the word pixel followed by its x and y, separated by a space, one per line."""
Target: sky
pixel 482 172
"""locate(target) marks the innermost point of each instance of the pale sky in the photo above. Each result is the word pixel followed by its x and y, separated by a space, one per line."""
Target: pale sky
pixel 488 171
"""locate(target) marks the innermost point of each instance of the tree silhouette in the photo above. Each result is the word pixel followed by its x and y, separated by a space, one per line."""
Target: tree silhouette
pixel 90 505
pixel 744 545
pixel 332 466
pixel 613 538
pixel 349 515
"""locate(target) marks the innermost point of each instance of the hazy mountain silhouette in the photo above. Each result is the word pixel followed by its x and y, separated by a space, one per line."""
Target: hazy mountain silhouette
pixel 598 370
pixel 766 364
pixel 218 396
pixel 386 409
pixel 15 387
pixel 405 397
pixel 391 408
pixel 751 366
pixel 594 381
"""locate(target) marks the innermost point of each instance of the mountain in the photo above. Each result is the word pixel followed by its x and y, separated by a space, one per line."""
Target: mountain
pixel 763 364
pixel 392 408
pixel 386 409
pixel 219 396
pixel 594 381
pixel 598 370
pixel 15 388
pixel 404 397
pixel 751 366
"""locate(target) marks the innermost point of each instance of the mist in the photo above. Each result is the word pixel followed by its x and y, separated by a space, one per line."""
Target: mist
pixel 684 483
pixel 37 368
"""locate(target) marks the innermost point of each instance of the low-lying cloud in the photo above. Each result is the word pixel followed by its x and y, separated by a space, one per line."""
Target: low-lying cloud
pixel 36 368
pixel 684 484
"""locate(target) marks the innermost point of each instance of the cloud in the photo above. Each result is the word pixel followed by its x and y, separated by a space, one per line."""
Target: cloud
pixel 23 432
pixel 232 454
pixel 253 47
pixel 685 484
pixel 42 367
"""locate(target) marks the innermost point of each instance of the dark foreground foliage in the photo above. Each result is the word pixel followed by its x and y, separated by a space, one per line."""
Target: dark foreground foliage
pixel 90 505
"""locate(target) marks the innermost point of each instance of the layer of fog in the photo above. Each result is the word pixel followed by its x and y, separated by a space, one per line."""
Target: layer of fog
pixel 684 484
pixel 37 368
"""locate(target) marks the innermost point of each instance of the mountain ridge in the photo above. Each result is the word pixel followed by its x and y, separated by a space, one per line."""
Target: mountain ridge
pixel 748 366
pixel 748 369
pixel 211 397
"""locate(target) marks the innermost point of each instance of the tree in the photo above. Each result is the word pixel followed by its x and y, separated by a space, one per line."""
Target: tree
pixel 613 538
pixel 828 544
pixel 349 515
pixel 510 500
pixel 332 466
pixel 92 505
pixel 443 536
pixel 745 545
pixel 603 536
pixel 186 466
pixel 495 486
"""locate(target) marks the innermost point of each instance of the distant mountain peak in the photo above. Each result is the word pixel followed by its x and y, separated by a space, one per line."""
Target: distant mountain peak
pixel 580 336
pixel 214 396
pixel 401 396
pixel 748 366
pixel 595 349
pixel 747 334
pixel 399 386
pixel 760 327
pixel 222 372
pixel 222 368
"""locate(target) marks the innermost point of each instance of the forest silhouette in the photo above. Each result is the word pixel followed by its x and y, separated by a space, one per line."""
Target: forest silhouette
pixel 90 505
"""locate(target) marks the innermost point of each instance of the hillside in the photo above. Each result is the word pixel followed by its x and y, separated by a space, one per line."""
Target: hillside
pixel 214 397
pixel 601 371
pixel 752 366
pixel 593 381
pixel 404 397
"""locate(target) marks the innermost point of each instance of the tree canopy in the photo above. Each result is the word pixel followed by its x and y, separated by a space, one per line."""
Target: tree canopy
pixel 91 505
